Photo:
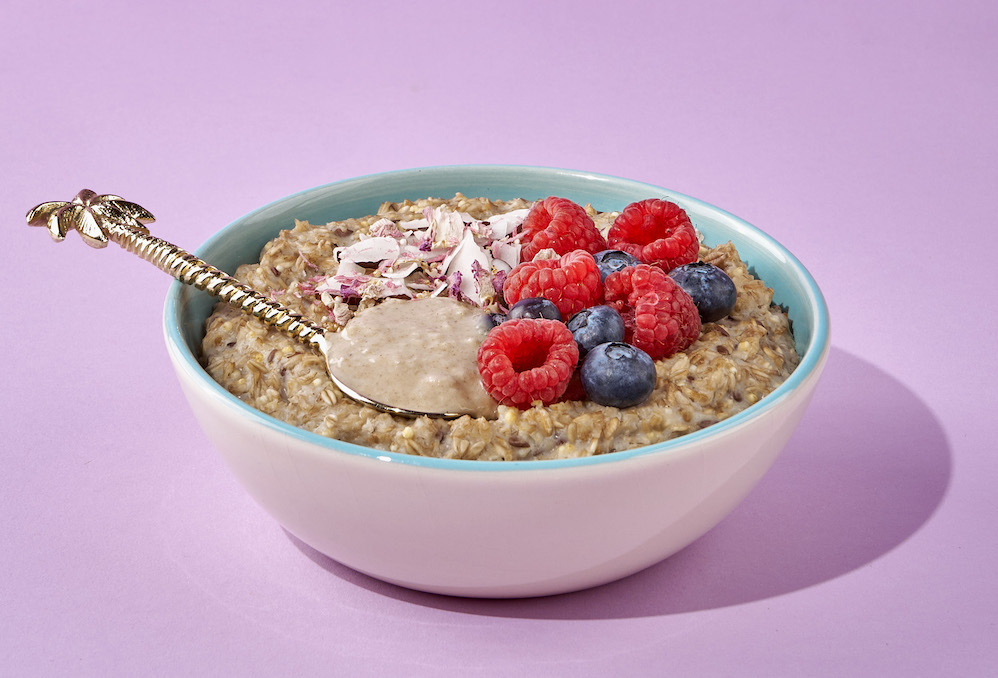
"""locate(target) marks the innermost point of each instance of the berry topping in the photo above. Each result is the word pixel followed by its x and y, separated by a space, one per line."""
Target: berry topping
pixel 497 319
pixel 534 307
pixel 571 282
pixel 561 225
pixel 712 290
pixel 594 326
pixel 659 316
pixel 575 391
pixel 609 261
pixel 618 375
pixel 657 232
pixel 488 321
pixel 526 360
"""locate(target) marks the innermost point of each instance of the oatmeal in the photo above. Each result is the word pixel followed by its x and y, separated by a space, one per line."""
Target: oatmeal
pixel 461 249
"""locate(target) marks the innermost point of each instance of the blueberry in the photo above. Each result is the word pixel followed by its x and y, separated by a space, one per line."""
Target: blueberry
pixel 712 290
pixel 534 307
pixel 491 320
pixel 594 326
pixel 610 261
pixel 618 374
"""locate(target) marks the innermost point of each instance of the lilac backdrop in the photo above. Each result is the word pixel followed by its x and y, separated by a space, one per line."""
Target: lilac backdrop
pixel 860 134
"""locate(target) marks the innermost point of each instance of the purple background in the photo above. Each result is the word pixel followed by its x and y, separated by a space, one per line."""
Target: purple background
pixel 862 135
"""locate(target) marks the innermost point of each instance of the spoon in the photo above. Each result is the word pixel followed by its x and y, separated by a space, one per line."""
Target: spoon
pixel 103 218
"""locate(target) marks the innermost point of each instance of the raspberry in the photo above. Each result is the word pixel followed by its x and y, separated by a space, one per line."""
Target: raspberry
pixel 526 360
pixel 660 318
pixel 561 225
pixel 657 232
pixel 575 389
pixel 572 282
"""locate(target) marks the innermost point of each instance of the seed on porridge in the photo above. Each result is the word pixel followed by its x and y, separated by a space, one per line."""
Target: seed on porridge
pixel 463 253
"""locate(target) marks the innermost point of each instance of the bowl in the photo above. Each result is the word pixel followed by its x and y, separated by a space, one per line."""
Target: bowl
pixel 495 529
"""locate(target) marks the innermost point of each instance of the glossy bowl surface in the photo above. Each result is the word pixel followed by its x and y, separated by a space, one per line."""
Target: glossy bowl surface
pixel 496 529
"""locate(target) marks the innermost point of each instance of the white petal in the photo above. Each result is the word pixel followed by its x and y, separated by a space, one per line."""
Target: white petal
pixel 402 271
pixel 508 253
pixel 462 260
pixel 371 250
pixel 350 268
pixel 504 224
pixel 446 228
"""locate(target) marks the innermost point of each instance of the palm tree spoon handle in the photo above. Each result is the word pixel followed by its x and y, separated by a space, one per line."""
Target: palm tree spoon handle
pixel 100 219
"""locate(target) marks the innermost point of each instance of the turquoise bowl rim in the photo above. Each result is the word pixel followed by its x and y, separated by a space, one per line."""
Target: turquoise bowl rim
pixel 502 182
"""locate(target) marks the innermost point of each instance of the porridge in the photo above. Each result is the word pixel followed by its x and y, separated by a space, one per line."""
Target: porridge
pixel 466 252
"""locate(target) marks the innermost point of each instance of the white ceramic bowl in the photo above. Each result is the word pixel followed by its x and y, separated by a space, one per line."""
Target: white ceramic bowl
pixel 496 529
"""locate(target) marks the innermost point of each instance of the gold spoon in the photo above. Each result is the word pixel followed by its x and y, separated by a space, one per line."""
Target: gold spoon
pixel 103 218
